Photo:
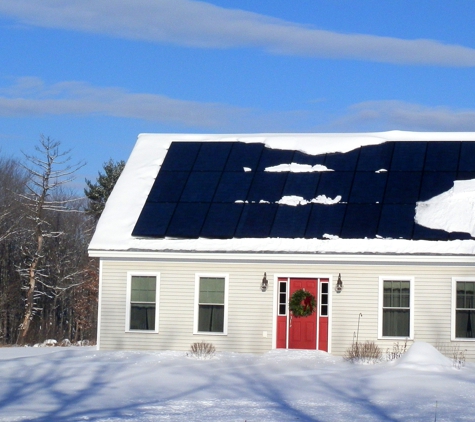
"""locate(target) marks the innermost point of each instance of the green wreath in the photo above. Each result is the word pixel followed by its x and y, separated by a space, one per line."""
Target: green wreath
pixel 302 303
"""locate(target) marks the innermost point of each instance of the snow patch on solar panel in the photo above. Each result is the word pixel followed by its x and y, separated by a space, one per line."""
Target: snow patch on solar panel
pixel 452 211
pixel 297 168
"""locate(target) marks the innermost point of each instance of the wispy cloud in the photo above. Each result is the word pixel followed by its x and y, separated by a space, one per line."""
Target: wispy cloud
pixel 32 97
pixel 200 24
pixel 388 115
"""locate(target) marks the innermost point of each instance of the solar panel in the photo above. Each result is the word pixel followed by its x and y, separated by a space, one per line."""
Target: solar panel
pixel 333 184
pixel 325 219
pixel 168 187
pixel 154 220
pixel 375 157
pixel 181 156
pixel 221 221
pixel 424 233
pixel 267 186
pixel 397 221
pixel 368 187
pixel 244 155
pixel 256 220
pixel 342 162
pixel 435 183
pixel 212 156
pixel 301 184
pixel 361 220
pixel 187 220
pixel 200 186
pixel 403 187
pixel 408 156
pixel 233 186
pixel 442 156
pixel 467 156
pixel 290 221
pixel 274 157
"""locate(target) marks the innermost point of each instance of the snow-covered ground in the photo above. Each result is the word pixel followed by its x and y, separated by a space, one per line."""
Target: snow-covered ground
pixel 82 384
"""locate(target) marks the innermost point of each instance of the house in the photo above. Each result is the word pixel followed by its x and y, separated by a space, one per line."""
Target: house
pixel 216 238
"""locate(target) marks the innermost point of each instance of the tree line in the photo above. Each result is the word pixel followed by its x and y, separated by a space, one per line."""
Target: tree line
pixel 48 283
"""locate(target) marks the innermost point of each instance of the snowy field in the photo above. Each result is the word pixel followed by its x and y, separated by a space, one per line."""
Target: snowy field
pixel 82 384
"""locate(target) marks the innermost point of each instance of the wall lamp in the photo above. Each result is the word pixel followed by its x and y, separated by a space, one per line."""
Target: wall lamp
pixel 264 283
pixel 339 284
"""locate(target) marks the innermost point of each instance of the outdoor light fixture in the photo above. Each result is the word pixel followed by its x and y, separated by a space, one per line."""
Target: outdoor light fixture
pixel 264 283
pixel 339 284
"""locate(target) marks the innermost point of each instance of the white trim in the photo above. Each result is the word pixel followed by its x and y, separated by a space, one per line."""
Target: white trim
pixel 197 298
pixel 131 274
pixel 381 302
pixel 454 308
pixel 99 309
pixel 310 258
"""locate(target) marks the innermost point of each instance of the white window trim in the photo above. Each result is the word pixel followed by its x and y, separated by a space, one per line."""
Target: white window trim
pixel 454 308
pixel 197 298
pixel 382 279
pixel 130 274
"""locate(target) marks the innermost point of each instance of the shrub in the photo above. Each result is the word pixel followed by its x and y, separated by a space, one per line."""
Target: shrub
pixel 453 352
pixel 396 352
pixel 367 352
pixel 202 350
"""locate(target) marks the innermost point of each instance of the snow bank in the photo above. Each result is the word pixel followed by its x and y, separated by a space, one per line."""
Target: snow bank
pixel 425 357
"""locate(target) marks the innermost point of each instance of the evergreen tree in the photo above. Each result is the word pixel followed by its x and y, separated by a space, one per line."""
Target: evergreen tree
pixel 99 192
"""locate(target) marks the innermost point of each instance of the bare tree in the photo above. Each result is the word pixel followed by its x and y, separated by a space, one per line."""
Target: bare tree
pixel 48 171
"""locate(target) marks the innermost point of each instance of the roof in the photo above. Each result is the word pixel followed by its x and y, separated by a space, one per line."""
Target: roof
pixel 391 192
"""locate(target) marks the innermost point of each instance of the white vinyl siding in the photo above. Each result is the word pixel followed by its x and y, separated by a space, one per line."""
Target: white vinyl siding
pixel 252 313
pixel 142 302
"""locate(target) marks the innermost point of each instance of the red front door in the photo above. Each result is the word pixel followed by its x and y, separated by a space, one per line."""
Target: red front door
pixel 303 330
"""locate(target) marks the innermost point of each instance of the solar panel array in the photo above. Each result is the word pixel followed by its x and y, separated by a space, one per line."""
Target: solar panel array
pixel 221 190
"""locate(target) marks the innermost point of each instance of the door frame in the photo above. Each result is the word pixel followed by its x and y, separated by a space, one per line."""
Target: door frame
pixel 275 310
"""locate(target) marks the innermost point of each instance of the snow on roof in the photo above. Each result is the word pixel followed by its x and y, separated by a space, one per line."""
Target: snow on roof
pixel 125 204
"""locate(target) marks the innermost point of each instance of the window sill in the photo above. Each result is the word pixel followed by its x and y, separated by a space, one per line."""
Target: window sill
pixel 207 333
pixel 142 331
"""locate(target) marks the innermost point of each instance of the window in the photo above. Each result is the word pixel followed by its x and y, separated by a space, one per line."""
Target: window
pixel 464 309
pixel 211 304
pixel 142 299
pixel 395 307
pixel 282 298
pixel 324 298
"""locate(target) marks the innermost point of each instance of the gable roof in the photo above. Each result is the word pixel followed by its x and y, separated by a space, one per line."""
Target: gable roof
pixel 294 193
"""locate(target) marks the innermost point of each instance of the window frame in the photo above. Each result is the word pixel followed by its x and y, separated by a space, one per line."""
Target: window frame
pixel 453 322
pixel 198 277
pixel 382 279
pixel 128 301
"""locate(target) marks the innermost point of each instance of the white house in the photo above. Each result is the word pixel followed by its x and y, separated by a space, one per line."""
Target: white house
pixel 369 235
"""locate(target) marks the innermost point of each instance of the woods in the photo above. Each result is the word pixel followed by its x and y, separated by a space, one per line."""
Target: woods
pixel 48 284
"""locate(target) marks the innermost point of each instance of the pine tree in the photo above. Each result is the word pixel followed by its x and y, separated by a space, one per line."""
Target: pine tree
pixel 99 192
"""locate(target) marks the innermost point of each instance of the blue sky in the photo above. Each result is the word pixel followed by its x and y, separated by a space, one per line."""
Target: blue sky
pixel 96 73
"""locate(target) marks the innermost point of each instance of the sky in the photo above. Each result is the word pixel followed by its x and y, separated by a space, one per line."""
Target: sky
pixel 94 74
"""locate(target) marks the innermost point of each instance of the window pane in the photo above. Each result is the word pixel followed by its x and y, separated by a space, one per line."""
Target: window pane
pixel 282 309
pixel 469 295
pixel 211 290
pixel 324 310
pixel 283 287
pixel 143 289
pixel 404 294
pixel 211 318
pixel 387 294
pixel 396 322
pixel 142 317
pixel 464 324
pixel 324 287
